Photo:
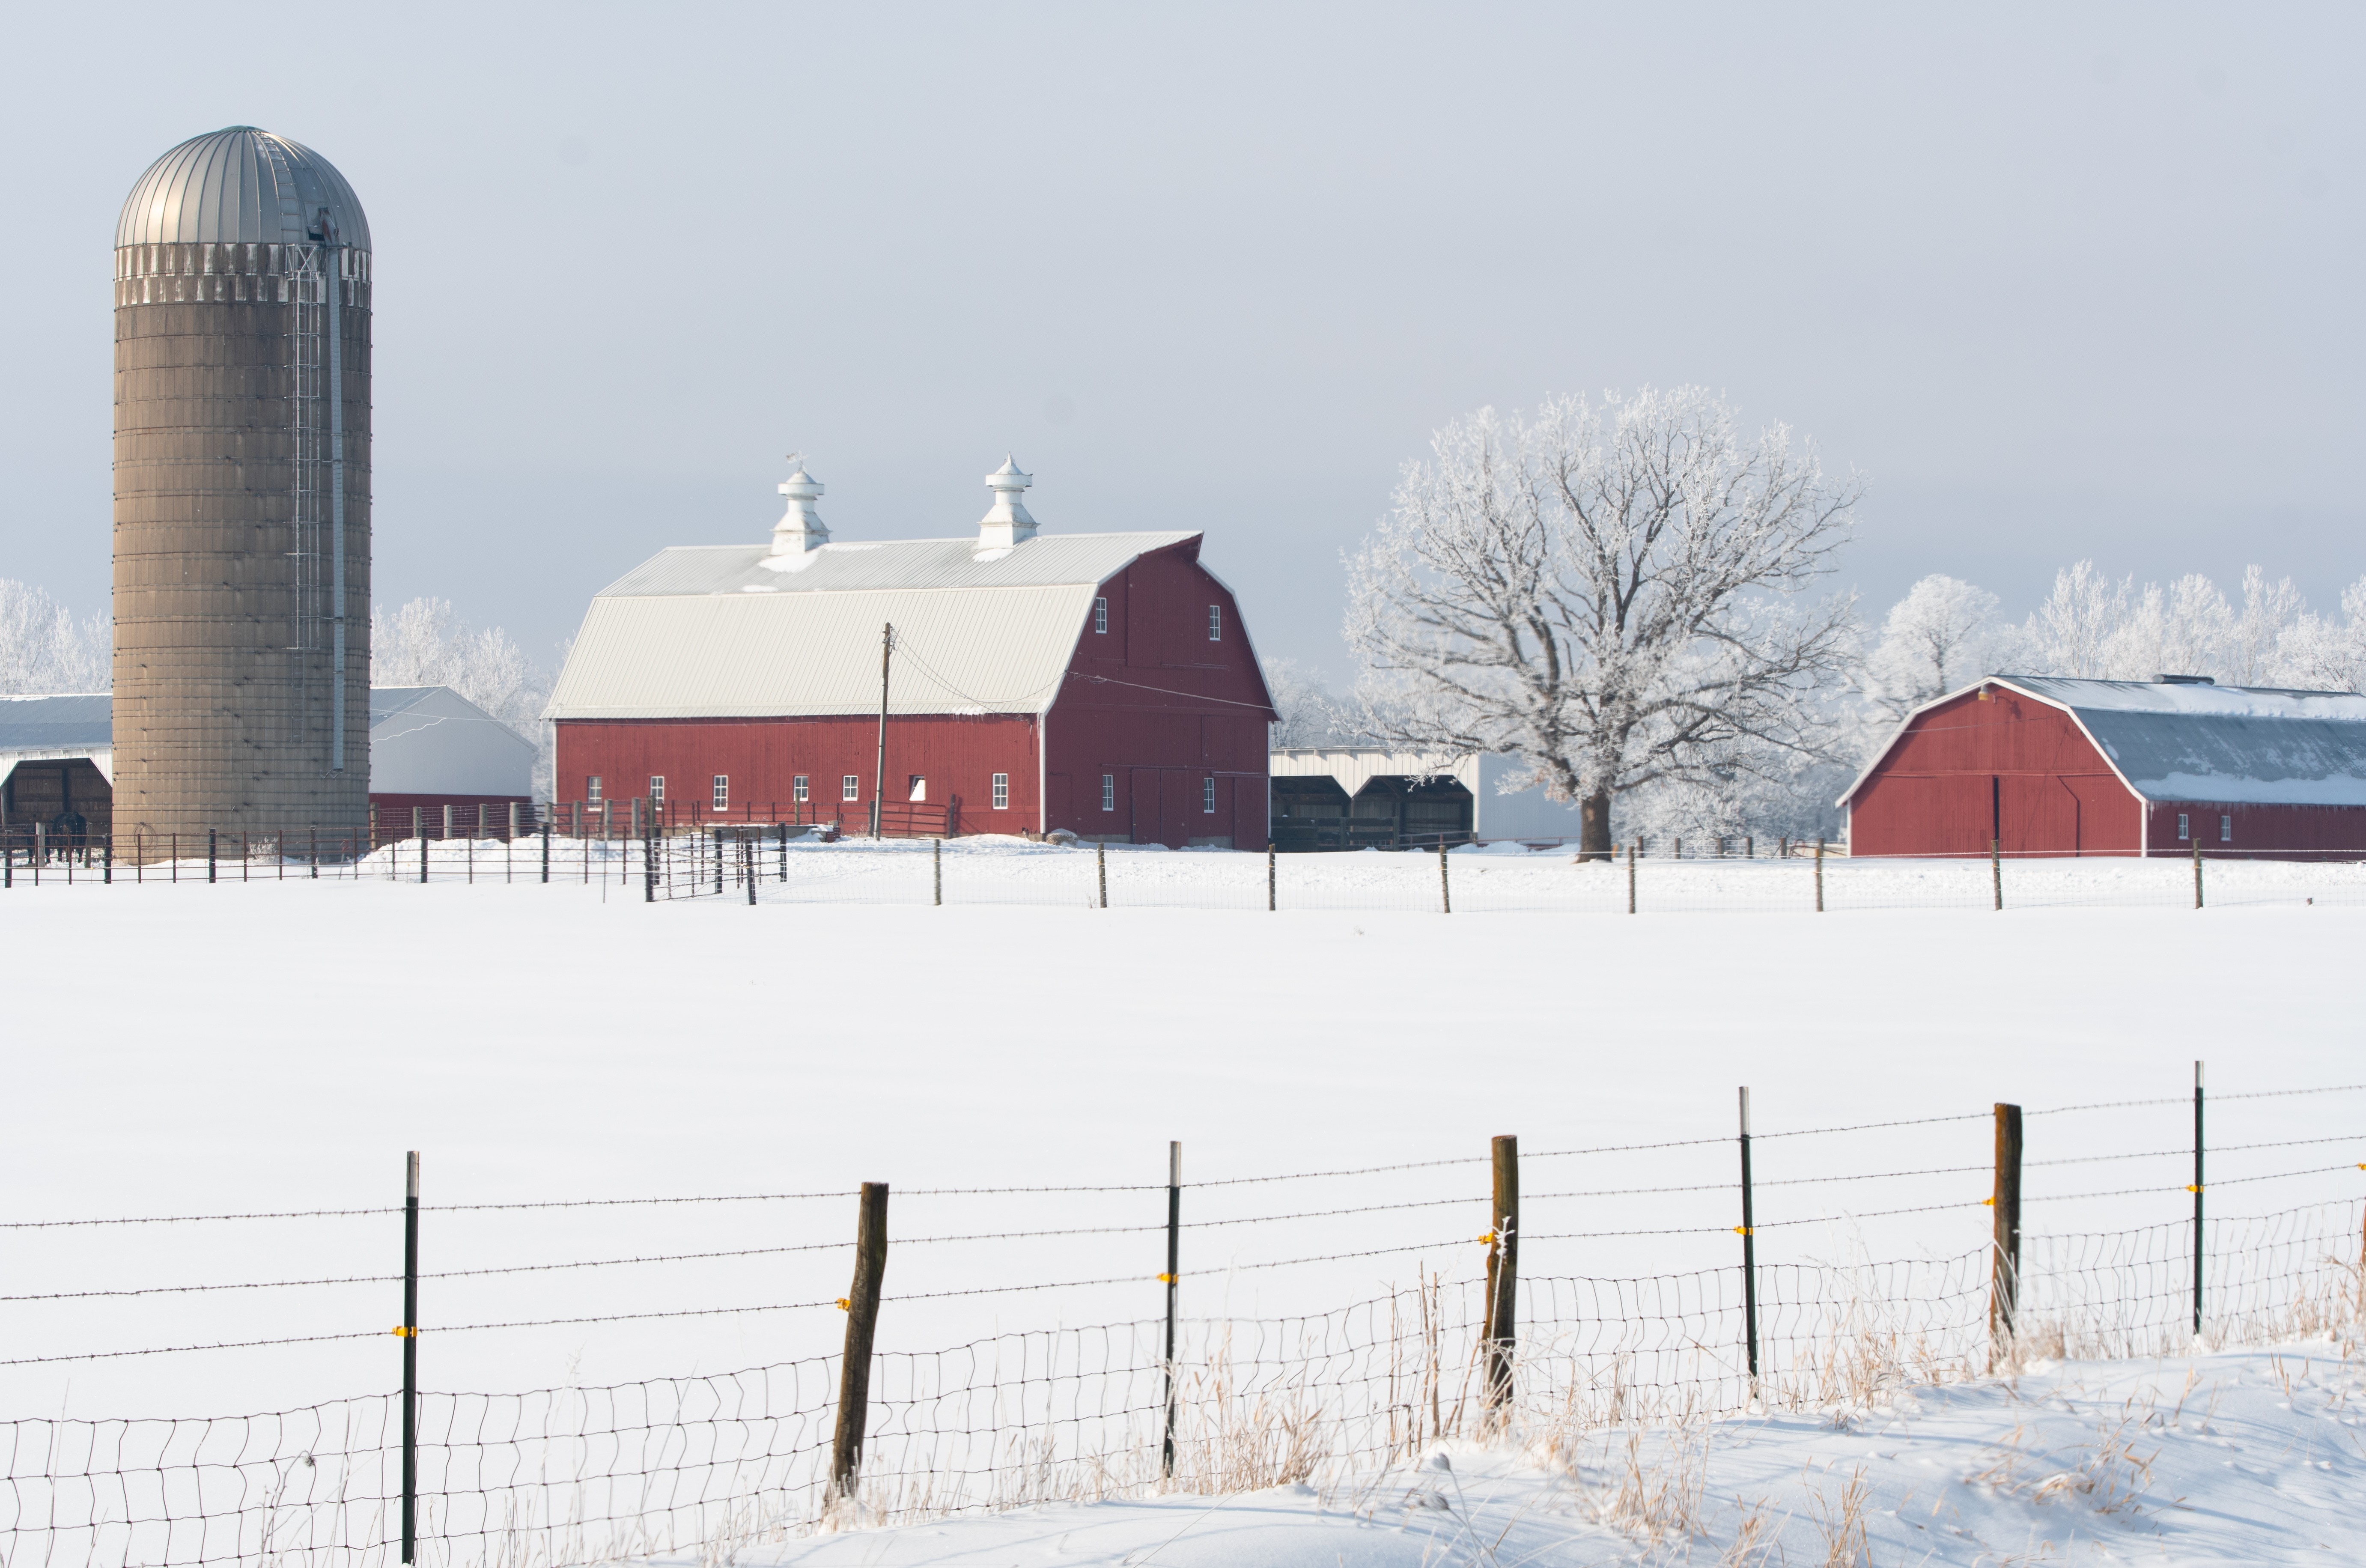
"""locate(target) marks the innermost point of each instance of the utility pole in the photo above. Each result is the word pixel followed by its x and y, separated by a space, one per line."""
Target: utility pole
pixel 879 788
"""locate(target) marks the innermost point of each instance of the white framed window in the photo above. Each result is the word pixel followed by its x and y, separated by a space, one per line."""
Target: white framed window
pixel 1208 796
pixel 2184 828
pixel 2225 829
pixel 592 790
pixel 722 792
pixel 801 789
pixel 1002 792
pixel 849 786
pixel 918 784
pixel 1215 623
pixel 657 789
pixel 1100 615
pixel 1109 792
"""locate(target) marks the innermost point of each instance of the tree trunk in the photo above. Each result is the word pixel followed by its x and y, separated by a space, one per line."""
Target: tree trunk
pixel 1594 827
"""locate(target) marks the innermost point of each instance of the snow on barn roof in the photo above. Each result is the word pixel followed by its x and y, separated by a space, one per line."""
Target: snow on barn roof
pixel 80 721
pixel 2191 740
pixel 743 631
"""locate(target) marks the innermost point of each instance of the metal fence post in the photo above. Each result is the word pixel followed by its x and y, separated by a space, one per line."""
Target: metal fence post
pixel 747 868
pixel 937 856
pixel 410 1332
pixel 1172 1279
pixel 107 874
pixel 213 854
pixel 1272 884
pixel 2197 1198
pixel 1749 1230
pixel 423 860
pixel 545 850
pixel 2004 1294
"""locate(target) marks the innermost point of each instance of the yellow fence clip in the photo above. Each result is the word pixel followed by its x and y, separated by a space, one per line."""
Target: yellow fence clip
pixel 2193 1187
pixel 1169 1279
pixel 845 1305
pixel 1490 1236
pixel 1987 1202
pixel 1745 1230
pixel 402 1333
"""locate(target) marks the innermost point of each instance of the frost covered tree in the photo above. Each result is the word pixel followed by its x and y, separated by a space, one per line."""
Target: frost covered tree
pixel 1614 591
pixel 2319 653
pixel 2070 634
pixel 2093 627
pixel 1311 714
pixel 1943 634
pixel 425 643
pixel 44 649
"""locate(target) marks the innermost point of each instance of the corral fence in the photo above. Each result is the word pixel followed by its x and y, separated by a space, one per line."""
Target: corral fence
pixel 759 862
pixel 1175 1400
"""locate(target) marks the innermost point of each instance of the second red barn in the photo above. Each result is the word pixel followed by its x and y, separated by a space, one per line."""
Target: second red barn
pixel 1102 683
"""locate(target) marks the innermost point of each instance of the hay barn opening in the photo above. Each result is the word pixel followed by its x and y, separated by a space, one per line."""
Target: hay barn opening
pixel 2051 765
pixel 1007 681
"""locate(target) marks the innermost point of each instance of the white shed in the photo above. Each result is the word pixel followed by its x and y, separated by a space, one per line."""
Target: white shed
pixel 1525 815
pixel 431 742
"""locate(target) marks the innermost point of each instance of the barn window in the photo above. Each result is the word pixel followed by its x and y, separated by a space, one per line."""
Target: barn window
pixel 800 789
pixel 2184 828
pixel 1109 792
pixel 918 784
pixel 1002 792
pixel 657 789
pixel 592 790
pixel 850 787
pixel 1100 615
pixel 722 792
pixel 1208 795
pixel 1215 623
pixel 2225 829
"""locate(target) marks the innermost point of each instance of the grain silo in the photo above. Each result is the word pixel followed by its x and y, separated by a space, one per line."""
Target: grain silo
pixel 241 492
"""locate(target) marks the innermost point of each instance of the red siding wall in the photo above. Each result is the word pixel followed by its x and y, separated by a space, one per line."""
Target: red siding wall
pixel 763 757
pixel 2012 768
pixel 1152 703
pixel 2265 832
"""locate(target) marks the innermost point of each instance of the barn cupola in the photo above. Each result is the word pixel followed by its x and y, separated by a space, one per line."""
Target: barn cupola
pixel 1007 523
pixel 800 528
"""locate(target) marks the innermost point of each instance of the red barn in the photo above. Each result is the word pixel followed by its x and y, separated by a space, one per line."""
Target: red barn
pixel 2049 765
pixel 1103 684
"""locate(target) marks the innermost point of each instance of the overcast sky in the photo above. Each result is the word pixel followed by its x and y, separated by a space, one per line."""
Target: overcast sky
pixel 2058 282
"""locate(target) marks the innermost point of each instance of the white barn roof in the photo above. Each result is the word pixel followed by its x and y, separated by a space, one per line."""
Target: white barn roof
pixel 737 631
pixel 2177 741
pixel 433 740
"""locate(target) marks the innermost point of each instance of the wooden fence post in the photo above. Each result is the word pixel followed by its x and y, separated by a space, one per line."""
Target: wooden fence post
pixel 1100 869
pixel 2004 1293
pixel 1445 888
pixel 1503 1276
pixel 938 858
pixel 1272 884
pixel 861 1305
pixel 1631 878
pixel 2197 870
pixel 1995 872
pixel 1819 874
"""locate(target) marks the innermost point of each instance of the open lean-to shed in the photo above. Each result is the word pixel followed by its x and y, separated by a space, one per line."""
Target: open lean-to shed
pixel 2050 765
pixel 1102 683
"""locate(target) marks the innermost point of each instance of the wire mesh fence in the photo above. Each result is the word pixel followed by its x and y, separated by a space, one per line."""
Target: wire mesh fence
pixel 587 1474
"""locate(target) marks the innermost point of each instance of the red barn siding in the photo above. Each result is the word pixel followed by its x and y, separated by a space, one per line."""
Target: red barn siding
pixel 2012 768
pixel 2265 832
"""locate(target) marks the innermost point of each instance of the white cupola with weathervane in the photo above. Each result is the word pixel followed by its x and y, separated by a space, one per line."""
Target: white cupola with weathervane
pixel 800 528
pixel 1007 523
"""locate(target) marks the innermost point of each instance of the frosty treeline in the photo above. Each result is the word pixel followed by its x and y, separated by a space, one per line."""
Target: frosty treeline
pixel 44 649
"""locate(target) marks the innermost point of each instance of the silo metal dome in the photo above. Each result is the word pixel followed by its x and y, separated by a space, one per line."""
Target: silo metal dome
pixel 239 186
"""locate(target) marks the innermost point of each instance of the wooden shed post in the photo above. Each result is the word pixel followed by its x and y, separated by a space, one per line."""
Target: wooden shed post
pixel 1502 1274
pixel 2004 1293
pixel 861 1305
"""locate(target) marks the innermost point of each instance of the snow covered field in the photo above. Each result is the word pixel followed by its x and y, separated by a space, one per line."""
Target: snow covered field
pixel 275 1047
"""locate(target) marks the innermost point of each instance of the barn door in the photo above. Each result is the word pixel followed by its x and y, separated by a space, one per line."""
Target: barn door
pixel 1142 792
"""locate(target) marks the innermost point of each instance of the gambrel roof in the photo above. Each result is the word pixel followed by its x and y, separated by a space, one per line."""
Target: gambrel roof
pixel 737 631
pixel 2187 740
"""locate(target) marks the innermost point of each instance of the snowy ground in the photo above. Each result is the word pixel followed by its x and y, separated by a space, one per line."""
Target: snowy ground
pixel 2250 1458
pixel 276 1047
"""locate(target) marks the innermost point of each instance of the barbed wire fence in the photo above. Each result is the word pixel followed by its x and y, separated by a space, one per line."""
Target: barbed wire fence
pixel 710 1461
pixel 635 856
